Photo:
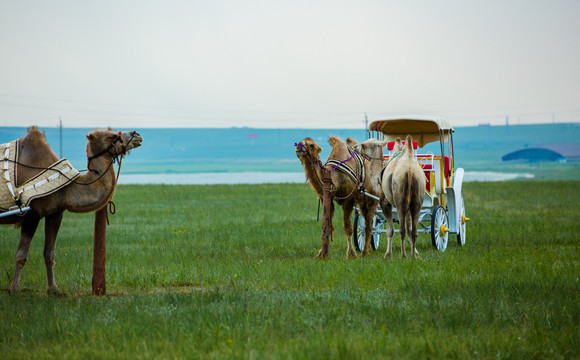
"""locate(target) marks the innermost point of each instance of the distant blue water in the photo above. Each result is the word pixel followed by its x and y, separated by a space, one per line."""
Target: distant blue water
pixel 214 178
pixel 272 177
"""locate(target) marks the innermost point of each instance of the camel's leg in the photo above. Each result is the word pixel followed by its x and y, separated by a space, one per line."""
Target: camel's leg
pixel 51 227
pixel 347 208
pixel 29 225
pixel 414 232
pixel 403 220
pixel 368 211
pixel 388 212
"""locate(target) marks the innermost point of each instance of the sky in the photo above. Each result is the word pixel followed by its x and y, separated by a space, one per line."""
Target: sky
pixel 287 64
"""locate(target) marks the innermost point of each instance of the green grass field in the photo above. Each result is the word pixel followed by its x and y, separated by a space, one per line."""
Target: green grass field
pixel 229 272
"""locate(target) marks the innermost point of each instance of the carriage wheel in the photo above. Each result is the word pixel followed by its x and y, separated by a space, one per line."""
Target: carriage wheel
pixel 462 226
pixel 359 232
pixel 439 228
pixel 377 224
pixel 358 235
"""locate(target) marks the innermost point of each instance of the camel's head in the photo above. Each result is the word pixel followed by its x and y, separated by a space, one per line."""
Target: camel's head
pixel 371 149
pixel 113 143
pixel 307 147
pixel 398 145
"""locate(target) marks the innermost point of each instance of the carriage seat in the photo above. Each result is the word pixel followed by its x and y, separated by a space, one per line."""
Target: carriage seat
pixel 391 145
pixel 429 164
pixel 434 167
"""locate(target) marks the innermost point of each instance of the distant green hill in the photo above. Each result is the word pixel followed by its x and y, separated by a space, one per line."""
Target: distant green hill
pixel 249 149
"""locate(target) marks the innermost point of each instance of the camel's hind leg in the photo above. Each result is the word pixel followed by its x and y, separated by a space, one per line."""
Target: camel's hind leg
pixel 51 227
pixel 29 225
pixel 403 226
pixel 347 208
pixel 388 212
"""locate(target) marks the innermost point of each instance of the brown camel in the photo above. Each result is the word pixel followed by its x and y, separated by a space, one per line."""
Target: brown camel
pixel 88 192
pixel 403 184
pixel 345 189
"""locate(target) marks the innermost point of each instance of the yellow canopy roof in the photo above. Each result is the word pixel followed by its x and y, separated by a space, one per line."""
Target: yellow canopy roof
pixel 423 129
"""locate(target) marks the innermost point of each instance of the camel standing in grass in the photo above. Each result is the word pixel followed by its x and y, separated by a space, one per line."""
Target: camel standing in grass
pixel 345 189
pixel 88 192
pixel 403 185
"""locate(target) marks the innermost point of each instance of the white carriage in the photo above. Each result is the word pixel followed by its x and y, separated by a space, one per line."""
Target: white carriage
pixel 443 210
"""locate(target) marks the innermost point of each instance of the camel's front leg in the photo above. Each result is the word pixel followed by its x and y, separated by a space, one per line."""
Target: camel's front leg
pixel 347 226
pixel 369 210
pixel 51 227
pixel 29 225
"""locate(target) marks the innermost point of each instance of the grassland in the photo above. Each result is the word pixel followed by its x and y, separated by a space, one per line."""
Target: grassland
pixel 228 272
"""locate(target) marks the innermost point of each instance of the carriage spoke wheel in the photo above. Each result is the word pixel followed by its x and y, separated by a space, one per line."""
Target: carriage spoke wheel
pixel 462 225
pixel 377 225
pixel 358 235
pixel 439 228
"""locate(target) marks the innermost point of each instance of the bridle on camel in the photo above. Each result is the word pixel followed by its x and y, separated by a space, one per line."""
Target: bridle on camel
pixel 114 158
pixel 309 157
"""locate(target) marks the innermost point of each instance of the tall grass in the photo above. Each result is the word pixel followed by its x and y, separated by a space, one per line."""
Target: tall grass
pixel 228 272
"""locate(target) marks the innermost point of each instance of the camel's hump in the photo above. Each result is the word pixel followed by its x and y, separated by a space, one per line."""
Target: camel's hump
pixel 35 135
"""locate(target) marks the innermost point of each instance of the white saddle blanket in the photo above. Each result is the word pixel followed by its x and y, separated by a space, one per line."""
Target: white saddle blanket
pixel 48 181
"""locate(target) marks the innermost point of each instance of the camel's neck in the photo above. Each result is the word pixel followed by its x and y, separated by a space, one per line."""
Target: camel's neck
pixel 94 189
pixel 374 167
pixel 313 174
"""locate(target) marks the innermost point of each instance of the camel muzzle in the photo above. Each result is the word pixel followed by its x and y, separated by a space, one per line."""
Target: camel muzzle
pixel 132 138
pixel 300 151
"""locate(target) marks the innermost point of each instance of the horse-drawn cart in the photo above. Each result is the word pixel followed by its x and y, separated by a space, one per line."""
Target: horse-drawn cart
pixel 443 210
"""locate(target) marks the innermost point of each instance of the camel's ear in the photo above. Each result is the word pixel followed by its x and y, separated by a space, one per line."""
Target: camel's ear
pixel 383 143
pixel 91 137
pixel 358 148
pixel 318 149
pixel 350 141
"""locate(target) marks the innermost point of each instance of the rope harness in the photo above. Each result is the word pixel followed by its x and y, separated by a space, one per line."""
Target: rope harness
pixel 358 176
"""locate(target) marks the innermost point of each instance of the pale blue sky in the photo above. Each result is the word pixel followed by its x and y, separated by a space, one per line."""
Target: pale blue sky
pixel 305 64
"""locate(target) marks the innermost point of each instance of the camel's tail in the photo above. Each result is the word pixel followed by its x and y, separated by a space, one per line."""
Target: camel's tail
pixel 409 187
pixel 409 144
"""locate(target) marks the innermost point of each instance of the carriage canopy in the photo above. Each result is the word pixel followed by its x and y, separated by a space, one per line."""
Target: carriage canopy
pixel 423 129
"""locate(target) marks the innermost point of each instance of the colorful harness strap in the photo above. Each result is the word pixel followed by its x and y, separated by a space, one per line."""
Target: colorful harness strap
pixel 356 176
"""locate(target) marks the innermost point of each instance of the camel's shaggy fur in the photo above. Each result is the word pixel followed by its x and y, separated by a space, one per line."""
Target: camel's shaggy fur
pixel 89 192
